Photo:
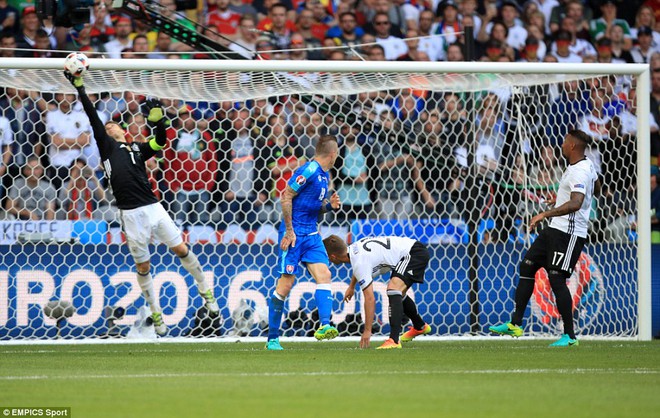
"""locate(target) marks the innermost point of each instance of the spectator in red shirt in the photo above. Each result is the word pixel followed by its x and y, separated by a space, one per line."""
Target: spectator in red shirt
pixel 278 26
pixel 224 20
pixel 190 167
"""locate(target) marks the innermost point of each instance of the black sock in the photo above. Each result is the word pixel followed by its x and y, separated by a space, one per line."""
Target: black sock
pixel 396 313
pixel 410 309
pixel 524 292
pixel 564 304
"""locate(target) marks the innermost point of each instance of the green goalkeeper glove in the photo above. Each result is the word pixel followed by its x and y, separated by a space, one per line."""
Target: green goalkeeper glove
pixel 77 82
pixel 155 110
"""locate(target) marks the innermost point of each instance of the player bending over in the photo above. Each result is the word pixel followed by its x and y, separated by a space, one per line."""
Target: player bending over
pixel 303 201
pixel 371 257
pixel 558 246
pixel 141 215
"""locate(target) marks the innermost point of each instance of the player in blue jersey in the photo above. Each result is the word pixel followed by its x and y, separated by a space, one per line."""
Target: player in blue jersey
pixel 303 202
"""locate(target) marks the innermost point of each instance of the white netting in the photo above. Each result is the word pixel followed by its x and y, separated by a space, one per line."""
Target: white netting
pixel 428 155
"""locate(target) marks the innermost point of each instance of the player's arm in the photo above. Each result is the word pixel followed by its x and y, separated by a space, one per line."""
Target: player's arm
pixel 334 203
pixel 369 309
pixel 287 214
pixel 573 205
pixel 90 111
pixel 159 140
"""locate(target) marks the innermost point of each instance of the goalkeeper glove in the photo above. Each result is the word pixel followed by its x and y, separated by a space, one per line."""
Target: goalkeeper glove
pixel 77 82
pixel 155 110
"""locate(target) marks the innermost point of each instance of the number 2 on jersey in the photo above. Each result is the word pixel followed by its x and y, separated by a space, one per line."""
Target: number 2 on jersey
pixel 375 241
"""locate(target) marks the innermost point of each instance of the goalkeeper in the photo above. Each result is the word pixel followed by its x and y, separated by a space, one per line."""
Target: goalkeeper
pixel 141 215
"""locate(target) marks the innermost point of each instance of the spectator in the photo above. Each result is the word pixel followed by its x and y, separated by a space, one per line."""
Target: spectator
pixel 8 18
pixel 641 53
pixel 277 25
pixel 376 53
pixel 163 46
pixel 280 156
pixel 516 32
pixel 69 132
pixel 100 28
pixel 500 33
pixel 352 175
pixel 434 46
pixel 393 46
pixel 646 17
pixel 546 172
pixel 575 10
pixel 246 40
pixel 190 166
pixel 530 52
pixel 223 20
pixel 545 7
pixel 347 33
pixel 22 111
pixel 311 33
pixel 7 45
pixel 619 54
pixel 242 8
pixel 561 48
pixel 490 136
pixel 240 204
pixel 396 19
pixel 598 27
pixel 140 46
pixel 468 8
pixel 449 25
pixel 579 47
pixel 561 11
pixel 81 196
pixel 455 52
pixel 297 49
pixel 30 197
pixel 123 29
pixel 29 26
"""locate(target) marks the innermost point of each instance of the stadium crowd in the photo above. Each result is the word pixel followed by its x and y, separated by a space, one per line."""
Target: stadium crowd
pixel 227 163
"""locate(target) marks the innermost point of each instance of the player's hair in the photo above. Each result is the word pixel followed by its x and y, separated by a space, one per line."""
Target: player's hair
pixel 580 136
pixel 335 245
pixel 326 145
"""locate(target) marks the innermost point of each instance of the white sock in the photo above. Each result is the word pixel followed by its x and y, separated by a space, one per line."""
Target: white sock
pixel 147 285
pixel 191 264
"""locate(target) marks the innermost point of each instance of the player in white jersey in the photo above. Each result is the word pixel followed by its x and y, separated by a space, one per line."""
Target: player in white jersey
pixel 558 246
pixel 371 257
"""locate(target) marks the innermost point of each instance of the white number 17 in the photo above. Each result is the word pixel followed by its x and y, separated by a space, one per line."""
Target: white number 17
pixel 556 258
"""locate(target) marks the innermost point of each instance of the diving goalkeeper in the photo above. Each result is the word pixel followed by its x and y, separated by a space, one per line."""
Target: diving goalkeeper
pixel 141 215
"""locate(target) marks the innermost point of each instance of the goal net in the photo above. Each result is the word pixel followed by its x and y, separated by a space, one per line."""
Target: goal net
pixel 458 156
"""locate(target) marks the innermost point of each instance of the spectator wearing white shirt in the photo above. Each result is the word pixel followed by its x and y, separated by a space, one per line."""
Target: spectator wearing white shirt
pixel 578 46
pixel 394 47
pixel 69 132
pixel 545 7
pixel 562 48
pixel 509 15
pixel 122 41
pixel 433 45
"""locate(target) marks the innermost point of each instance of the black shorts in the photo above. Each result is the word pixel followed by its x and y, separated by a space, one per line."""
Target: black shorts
pixel 412 267
pixel 556 250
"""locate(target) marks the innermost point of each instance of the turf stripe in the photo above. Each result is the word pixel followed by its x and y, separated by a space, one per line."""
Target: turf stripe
pixel 355 373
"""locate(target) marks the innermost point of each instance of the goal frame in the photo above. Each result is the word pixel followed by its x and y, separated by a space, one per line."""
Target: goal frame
pixel 640 71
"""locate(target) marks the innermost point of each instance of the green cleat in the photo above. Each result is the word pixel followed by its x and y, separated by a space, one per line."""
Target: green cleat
pixel 159 325
pixel 507 329
pixel 565 341
pixel 210 303
pixel 274 345
pixel 326 332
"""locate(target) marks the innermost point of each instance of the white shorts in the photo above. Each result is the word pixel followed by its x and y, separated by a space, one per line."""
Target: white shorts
pixel 145 225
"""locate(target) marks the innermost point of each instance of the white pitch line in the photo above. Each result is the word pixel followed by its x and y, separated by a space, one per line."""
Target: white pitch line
pixel 347 373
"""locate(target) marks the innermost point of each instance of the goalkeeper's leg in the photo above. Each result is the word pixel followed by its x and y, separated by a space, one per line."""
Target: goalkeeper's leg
pixel 146 283
pixel 190 262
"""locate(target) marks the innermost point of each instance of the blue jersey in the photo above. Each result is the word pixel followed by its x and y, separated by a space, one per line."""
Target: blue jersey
pixel 311 184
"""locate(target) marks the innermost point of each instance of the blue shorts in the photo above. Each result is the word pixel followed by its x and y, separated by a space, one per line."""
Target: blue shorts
pixel 308 249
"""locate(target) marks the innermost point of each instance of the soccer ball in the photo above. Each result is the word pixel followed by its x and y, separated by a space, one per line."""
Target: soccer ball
pixel 76 63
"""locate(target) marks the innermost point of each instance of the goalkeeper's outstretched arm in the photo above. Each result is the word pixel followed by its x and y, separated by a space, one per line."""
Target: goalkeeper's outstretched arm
pixel 155 117
pixel 102 138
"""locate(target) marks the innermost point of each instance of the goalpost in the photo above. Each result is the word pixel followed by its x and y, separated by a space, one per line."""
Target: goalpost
pixel 456 155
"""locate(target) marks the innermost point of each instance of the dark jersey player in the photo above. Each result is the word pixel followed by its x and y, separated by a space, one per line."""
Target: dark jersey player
pixel 141 215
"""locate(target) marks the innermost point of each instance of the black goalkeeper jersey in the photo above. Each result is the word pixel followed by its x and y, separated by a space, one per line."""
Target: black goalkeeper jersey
pixel 124 163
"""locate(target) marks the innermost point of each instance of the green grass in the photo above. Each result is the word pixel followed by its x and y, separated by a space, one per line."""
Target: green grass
pixel 472 378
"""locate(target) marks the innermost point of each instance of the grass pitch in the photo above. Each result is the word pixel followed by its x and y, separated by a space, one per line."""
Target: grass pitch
pixel 472 378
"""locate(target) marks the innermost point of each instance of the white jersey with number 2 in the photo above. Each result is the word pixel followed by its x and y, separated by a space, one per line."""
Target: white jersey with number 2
pixel 371 257
pixel 580 178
